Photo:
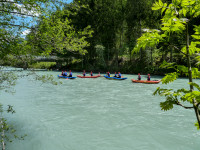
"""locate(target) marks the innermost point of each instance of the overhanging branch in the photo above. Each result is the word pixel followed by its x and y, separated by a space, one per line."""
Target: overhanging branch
pixel 18 13
pixel 186 107
pixel 14 25
pixel 178 50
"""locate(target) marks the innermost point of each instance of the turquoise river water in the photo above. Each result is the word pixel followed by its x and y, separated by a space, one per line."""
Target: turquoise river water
pixel 98 114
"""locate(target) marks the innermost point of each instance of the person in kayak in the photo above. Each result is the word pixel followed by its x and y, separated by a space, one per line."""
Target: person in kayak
pixel 65 73
pixel 139 76
pixel 115 75
pixel 84 73
pixel 108 74
pixel 70 73
pixel 91 73
pixel 148 77
pixel 119 75
pixel 62 73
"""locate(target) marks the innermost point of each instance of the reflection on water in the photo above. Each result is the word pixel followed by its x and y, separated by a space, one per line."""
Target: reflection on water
pixel 98 114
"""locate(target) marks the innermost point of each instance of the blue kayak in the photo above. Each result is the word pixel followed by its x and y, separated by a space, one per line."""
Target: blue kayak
pixel 114 78
pixel 66 77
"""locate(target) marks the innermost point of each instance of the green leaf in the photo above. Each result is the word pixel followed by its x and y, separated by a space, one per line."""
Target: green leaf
pixel 197 125
pixel 170 77
pixel 157 5
pixel 167 105
pixel 195 85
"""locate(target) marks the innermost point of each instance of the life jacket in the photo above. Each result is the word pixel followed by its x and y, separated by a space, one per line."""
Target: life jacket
pixel 119 75
pixel 70 74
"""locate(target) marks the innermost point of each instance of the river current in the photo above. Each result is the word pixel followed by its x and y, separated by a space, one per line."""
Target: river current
pixel 98 114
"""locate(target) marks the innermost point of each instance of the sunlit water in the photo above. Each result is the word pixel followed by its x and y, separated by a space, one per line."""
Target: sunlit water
pixel 98 114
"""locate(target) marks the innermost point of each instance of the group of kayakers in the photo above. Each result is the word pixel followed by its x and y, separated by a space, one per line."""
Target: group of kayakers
pixel 108 74
pixel 84 73
pixel 116 75
pixel 65 73
pixel 148 77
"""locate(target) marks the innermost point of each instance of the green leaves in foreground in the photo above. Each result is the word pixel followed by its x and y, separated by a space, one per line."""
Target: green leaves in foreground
pixel 197 125
pixel 170 77
pixel 174 97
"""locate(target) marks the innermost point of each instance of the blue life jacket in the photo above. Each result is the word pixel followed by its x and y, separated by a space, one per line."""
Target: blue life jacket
pixel 119 75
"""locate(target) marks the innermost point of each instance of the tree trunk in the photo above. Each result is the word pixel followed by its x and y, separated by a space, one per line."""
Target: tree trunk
pixel 151 57
pixel 195 104
pixel 171 55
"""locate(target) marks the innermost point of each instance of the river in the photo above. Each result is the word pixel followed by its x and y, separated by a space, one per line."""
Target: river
pixel 98 114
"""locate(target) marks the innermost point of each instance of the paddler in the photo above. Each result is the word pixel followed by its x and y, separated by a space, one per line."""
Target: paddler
pixel 91 73
pixel 119 75
pixel 65 73
pixel 139 76
pixel 84 73
pixel 148 77
pixel 115 75
pixel 108 73
pixel 70 73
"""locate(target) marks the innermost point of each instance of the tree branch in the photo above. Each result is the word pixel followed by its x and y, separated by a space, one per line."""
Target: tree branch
pixel 10 2
pixel 12 12
pixel 15 25
pixel 178 103
pixel 198 104
pixel 178 50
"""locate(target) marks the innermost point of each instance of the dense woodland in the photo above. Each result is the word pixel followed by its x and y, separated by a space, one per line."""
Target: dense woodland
pixel 99 36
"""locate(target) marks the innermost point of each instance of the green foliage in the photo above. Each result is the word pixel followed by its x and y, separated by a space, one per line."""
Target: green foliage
pixel 7 130
pixel 7 80
pixel 55 34
pixel 173 25
pixel 100 49
pixel 43 65
pixel 47 79
pixel 149 39
pixel 170 77
pixel 197 125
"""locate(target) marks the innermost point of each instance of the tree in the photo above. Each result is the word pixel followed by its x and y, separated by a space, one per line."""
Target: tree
pixel 15 18
pixel 178 19
pixel 55 35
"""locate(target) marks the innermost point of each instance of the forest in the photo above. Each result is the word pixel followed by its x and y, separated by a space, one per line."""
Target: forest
pixel 98 36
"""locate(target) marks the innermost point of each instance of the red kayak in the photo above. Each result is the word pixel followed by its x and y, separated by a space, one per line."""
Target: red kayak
pixel 146 82
pixel 79 76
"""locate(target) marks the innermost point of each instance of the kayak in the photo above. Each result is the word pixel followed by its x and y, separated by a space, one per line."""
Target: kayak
pixel 114 78
pixel 146 82
pixel 79 76
pixel 66 77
